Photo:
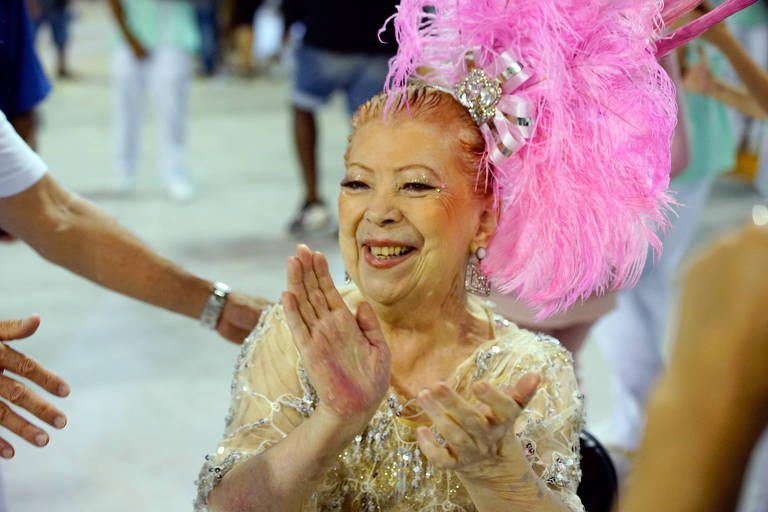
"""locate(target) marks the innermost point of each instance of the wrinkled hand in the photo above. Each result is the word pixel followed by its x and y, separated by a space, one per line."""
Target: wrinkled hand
pixel 698 78
pixel 479 441
pixel 18 394
pixel 346 356
pixel 240 316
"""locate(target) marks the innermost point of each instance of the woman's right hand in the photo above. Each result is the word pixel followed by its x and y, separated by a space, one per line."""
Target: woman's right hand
pixel 345 355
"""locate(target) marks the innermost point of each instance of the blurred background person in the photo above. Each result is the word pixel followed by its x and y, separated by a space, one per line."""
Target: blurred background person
pixel 210 33
pixel 340 51
pixel 241 22
pixel 24 84
pixel 57 15
pixel 156 42
pixel 750 27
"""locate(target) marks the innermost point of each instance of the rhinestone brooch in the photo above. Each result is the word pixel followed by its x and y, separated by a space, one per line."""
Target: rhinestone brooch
pixel 479 94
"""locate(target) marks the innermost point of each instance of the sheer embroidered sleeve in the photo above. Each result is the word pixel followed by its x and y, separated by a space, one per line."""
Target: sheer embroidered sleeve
pixel 550 426
pixel 271 396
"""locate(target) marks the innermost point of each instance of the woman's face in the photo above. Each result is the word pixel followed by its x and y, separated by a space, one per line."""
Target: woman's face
pixel 408 213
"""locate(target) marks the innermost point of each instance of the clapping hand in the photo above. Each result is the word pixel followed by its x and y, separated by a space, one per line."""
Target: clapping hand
pixel 13 391
pixel 478 441
pixel 345 355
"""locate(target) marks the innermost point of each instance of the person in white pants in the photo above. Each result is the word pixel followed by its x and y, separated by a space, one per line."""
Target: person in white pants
pixel 158 39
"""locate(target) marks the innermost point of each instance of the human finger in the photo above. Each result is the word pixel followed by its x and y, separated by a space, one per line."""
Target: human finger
pixel 6 450
pixel 462 412
pixel 295 321
pixel 19 394
pixel 21 427
pixel 311 285
pixel 296 287
pixel 324 279
pixel 459 441
pixel 18 363
pixel 438 455
pixel 369 324
pixel 506 406
pixel 18 329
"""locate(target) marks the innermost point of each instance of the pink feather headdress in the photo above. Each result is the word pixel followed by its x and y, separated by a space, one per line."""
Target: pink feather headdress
pixel 577 116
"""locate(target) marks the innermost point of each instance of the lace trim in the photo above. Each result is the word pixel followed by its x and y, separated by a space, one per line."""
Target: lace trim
pixel 210 475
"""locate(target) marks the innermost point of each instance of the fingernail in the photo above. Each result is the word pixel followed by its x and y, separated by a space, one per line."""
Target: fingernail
pixel 7 453
pixel 41 439
pixel 59 422
pixel 63 390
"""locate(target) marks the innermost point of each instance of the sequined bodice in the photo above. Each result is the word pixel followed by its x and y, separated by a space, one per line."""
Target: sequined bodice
pixel 383 469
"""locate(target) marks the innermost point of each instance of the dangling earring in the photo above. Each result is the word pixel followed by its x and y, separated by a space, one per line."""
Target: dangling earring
pixel 474 280
pixel 347 279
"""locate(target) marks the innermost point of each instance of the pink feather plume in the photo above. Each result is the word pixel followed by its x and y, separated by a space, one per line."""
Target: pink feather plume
pixel 584 199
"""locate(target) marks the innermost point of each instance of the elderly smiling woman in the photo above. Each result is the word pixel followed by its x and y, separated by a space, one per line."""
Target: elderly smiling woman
pixel 343 421
pixel 544 149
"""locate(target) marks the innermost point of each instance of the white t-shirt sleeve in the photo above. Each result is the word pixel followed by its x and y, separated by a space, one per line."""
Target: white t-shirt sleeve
pixel 20 167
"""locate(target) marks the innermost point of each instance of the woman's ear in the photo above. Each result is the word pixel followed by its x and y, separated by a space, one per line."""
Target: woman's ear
pixel 486 226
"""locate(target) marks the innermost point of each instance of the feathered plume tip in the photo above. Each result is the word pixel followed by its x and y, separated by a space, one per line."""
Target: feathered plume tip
pixel 582 200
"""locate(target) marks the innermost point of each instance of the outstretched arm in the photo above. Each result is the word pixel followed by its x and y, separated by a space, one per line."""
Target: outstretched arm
pixel 75 234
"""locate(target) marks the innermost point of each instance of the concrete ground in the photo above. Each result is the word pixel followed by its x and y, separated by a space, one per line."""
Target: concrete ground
pixel 150 389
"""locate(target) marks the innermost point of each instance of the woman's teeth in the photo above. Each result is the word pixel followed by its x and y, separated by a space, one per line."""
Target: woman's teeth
pixel 388 252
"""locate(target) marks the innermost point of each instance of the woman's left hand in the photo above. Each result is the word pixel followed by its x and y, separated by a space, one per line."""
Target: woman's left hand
pixel 479 442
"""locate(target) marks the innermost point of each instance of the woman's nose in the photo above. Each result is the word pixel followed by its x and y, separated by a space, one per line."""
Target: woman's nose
pixel 382 210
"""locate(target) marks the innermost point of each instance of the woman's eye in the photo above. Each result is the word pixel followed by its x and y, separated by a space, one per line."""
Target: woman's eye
pixel 418 187
pixel 354 185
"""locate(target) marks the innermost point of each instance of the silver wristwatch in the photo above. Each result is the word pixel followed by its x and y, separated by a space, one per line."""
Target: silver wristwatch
pixel 215 305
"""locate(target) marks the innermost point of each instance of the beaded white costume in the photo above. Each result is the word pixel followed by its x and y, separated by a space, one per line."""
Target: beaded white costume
pixel 383 469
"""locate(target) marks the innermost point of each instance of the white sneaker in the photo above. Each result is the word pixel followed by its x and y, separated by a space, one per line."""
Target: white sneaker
pixel 311 218
pixel 181 191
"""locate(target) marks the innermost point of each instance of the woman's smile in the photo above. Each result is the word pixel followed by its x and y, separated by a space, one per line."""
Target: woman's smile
pixel 383 254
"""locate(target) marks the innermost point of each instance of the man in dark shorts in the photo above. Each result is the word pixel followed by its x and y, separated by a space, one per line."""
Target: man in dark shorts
pixel 340 51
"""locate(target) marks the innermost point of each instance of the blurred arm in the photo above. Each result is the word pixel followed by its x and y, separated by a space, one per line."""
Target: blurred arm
pixel 754 78
pixel 680 152
pixel 712 404
pixel 119 14
pixel 75 234
pixel 738 98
